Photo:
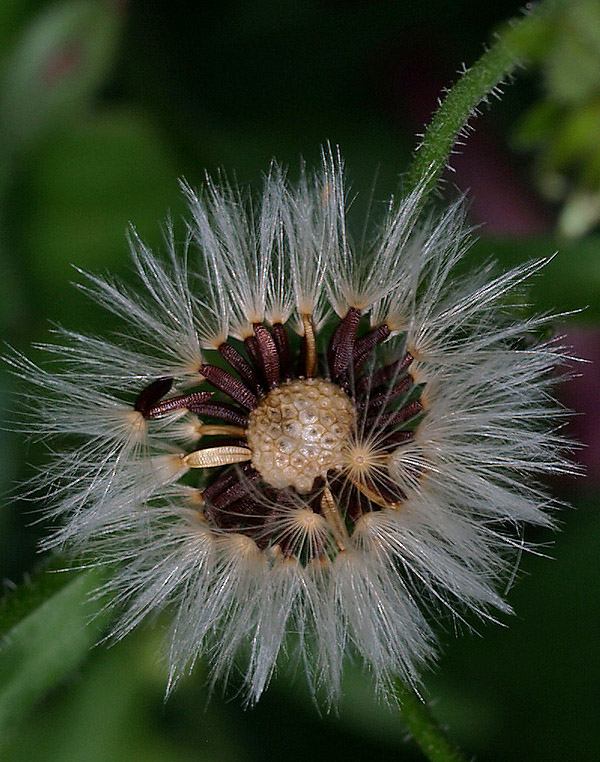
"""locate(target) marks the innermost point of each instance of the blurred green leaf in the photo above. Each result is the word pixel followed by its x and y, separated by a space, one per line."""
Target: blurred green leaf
pixel 118 712
pixel 38 650
pixel 572 55
pixel 55 67
pixel 52 63
pixel 86 183
pixel 14 16
pixel 562 126
pixel 570 281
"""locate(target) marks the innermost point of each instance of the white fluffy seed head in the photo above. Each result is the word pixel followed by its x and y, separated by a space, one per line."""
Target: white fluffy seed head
pixel 439 539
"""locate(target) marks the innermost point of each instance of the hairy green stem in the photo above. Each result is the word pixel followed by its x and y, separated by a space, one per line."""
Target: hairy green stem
pixel 424 728
pixel 47 628
pixel 512 45
pixel 41 584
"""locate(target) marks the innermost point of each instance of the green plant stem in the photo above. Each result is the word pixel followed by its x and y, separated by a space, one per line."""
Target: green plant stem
pixel 47 628
pixel 41 584
pixel 513 44
pixel 424 728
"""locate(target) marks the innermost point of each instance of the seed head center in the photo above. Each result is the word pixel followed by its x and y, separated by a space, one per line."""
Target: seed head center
pixel 298 432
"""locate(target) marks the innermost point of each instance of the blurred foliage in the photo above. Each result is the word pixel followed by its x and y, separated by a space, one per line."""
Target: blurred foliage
pixel 57 64
pixel 527 691
pixel 103 105
pixel 563 127
pixel 46 644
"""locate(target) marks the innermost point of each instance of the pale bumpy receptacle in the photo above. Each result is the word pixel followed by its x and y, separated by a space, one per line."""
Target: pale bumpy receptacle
pixel 299 431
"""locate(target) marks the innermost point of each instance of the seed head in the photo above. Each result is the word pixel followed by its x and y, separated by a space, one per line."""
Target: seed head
pixel 301 437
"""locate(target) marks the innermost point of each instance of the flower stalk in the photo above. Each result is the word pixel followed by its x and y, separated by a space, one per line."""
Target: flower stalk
pixel 424 728
pixel 513 44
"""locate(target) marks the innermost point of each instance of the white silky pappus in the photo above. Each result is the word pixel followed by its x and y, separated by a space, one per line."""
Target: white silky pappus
pixel 415 394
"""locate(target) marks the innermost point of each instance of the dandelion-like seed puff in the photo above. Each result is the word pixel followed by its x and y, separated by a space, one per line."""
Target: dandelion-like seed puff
pixel 292 436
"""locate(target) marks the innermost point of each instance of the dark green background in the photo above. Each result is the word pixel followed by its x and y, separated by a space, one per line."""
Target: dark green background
pixel 103 106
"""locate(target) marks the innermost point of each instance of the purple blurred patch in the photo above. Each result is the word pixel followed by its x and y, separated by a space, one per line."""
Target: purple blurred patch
pixel 582 394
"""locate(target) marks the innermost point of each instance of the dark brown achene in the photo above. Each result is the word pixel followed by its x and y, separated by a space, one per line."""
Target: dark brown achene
pixel 301 433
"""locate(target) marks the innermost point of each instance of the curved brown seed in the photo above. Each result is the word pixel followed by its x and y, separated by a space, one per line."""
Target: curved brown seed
pixel 268 353
pixel 239 363
pixel 399 416
pixel 386 396
pixel 149 396
pixel 388 373
pixel 230 385
pixel 184 401
pixel 227 413
pixel 367 343
pixel 282 342
pixel 341 346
